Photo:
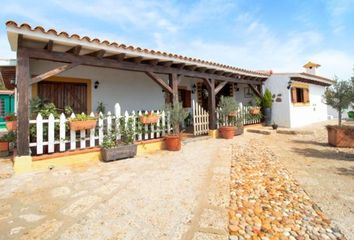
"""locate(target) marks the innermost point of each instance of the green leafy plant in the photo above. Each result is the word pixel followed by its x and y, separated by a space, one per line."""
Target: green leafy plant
pixel 339 96
pixel 82 117
pixel 101 108
pixel 9 137
pixel 68 110
pixel 177 115
pixel 127 130
pixel 226 107
pixel 267 99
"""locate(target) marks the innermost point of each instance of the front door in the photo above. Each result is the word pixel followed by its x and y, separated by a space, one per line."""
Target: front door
pixel 65 94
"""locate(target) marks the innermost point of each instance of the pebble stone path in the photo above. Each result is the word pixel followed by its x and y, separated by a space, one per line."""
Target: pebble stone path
pixel 266 203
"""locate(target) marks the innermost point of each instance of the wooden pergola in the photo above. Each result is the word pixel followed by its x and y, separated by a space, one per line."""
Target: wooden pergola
pixel 214 77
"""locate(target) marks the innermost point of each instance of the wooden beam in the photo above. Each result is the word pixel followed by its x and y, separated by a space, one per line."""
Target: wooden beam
pixel 201 69
pixel 190 67
pixel 212 71
pixel 124 65
pixel 119 57
pixel 134 59
pixel 219 87
pixel 98 54
pixel 255 90
pixel 178 65
pixel 19 41
pixel 53 72
pixel 153 62
pixel 22 77
pixel 219 72
pixel 207 83
pixel 159 81
pixel 227 74
pixel 166 63
pixel 174 79
pixel 49 45
pixel 75 50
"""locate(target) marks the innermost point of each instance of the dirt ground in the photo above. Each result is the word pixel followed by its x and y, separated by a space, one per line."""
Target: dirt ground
pixel 326 173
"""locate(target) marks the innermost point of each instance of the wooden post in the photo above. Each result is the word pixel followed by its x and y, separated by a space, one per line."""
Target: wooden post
pixel 210 83
pixel 173 81
pixel 23 78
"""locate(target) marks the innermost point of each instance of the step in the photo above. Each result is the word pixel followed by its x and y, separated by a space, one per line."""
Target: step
pixel 295 132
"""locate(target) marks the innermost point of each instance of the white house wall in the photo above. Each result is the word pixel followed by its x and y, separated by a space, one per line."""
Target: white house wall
pixel 315 112
pixel 133 90
pixel 281 104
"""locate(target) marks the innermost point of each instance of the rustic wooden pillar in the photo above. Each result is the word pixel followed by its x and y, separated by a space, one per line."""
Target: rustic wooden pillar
pixel 173 81
pixel 210 83
pixel 22 78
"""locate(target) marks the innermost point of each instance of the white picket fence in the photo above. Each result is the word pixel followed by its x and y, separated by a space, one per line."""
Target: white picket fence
pixel 200 119
pixel 57 137
pixel 243 112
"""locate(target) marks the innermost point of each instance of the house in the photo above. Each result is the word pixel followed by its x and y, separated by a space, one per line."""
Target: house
pixel 297 97
pixel 83 72
pixel 7 79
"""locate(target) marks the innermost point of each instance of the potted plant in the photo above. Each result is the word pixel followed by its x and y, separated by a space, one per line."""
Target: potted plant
pixel 226 106
pixel 339 96
pixel 149 118
pixel 11 122
pixel 267 102
pixel 177 115
pixel 256 109
pixel 82 122
pixel 5 140
pixel 114 150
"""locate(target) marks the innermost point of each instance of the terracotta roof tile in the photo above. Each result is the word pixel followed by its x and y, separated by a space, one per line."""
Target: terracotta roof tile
pixel 130 47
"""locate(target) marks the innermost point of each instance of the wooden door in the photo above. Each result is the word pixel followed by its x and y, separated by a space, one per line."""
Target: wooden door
pixel 65 94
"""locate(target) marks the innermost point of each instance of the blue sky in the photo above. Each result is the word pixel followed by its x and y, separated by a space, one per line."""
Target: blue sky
pixel 280 35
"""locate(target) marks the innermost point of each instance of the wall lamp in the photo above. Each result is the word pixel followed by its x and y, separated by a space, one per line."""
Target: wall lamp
pixel 194 88
pixel 289 84
pixel 97 83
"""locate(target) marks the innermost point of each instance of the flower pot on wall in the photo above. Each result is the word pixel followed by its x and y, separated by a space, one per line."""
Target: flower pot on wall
pixel 227 132
pixel 341 136
pixel 268 116
pixel 254 110
pixel 149 119
pixel 11 125
pixel 82 125
pixel 119 152
pixel 173 142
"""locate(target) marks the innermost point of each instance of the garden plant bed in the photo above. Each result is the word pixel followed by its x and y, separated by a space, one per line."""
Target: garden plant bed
pixel 267 202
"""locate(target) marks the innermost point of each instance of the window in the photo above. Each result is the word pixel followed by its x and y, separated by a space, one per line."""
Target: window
pixel 300 95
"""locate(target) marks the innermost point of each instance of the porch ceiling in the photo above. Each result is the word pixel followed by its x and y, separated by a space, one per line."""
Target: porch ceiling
pixel 38 38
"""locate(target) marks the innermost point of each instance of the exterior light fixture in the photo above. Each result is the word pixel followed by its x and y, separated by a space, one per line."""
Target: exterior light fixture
pixel 289 84
pixel 194 88
pixel 97 83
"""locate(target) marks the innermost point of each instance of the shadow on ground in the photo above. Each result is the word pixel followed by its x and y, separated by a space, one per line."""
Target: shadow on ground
pixel 324 154
pixel 346 171
pixel 323 144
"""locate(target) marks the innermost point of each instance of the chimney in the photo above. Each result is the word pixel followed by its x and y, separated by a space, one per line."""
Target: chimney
pixel 311 67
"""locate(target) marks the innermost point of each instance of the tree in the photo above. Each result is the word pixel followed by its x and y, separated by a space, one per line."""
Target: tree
pixel 339 96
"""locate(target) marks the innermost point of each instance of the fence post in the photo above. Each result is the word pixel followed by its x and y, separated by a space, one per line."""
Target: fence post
pixel 50 133
pixel 92 133
pixel 109 122
pixel 100 128
pixel 72 136
pixel 163 123
pixel 62 137
pixel 140 127
pixel 158 129
pixel 118 114
pixel 39 133
pixel 133 116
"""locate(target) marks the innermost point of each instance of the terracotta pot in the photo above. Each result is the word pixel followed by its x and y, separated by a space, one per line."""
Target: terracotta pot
pixel 341 137
pixel 82 125
pixel 11 125
pixel 227 132
pixel 173 142
pixel 149 119
pixel 4 146
pixel 254 110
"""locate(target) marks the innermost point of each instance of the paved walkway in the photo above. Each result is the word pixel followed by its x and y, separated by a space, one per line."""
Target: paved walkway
pixel 267 203
pixel 160 196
